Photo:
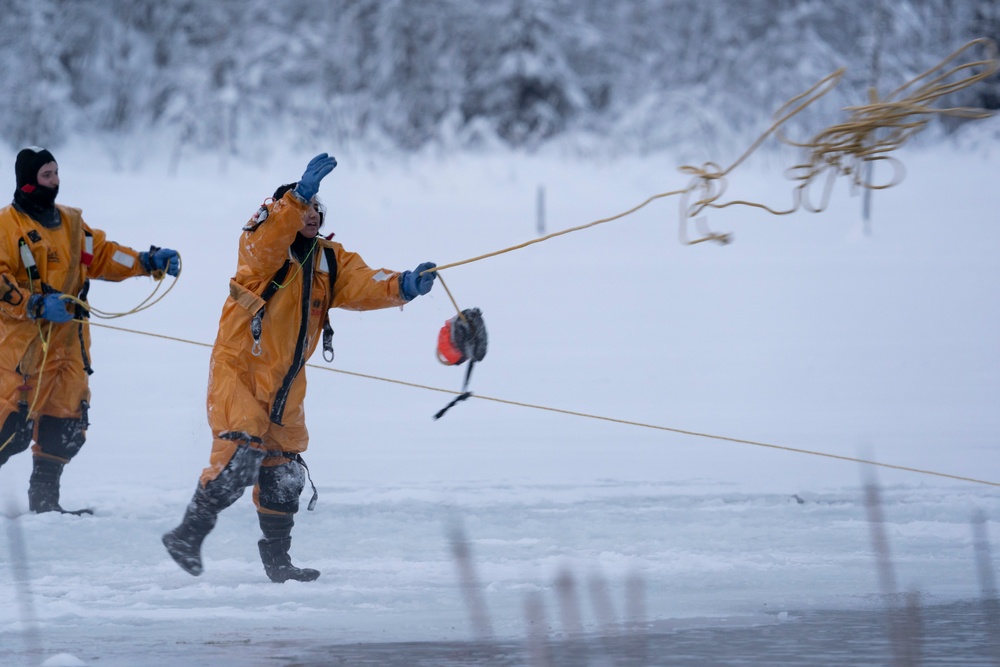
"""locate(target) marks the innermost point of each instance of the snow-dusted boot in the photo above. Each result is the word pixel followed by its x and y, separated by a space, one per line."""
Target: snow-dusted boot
pixel 43 487
pixel 183 543
pixel 274 548
pixel 15 434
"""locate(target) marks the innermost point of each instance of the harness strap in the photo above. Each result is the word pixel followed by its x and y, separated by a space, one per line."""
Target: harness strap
pixel 241 436
pixel 256 324
pixel 82 314
pixel 461 397
pixel 331 267
pixel 301 341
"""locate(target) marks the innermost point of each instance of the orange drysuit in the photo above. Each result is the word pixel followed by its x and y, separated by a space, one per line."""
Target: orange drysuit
pixel 257 384
pixel 64 258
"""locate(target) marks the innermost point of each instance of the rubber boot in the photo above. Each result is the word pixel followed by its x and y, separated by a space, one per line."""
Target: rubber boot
pixel 43 487
pixel 274 547
pixel 15 434
pixel 183 543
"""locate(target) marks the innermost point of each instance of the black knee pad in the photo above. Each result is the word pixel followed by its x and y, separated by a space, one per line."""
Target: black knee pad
pixel 15 435
pixel 239 473
pixel 61 437
pixel 281 486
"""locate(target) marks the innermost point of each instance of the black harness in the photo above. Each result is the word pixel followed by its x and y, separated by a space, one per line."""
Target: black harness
pixel 80 312
pixel 298 361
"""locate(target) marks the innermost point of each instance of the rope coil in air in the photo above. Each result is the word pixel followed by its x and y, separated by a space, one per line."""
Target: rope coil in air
pixel 869 134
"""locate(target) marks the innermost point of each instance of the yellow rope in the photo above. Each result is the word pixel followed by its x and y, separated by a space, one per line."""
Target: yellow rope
pixel 38 381
pixel 599 417
pixel 45 338
pixel 555 234
pixel 868 135
pixel 145 304
pixel 153 335
pixel 453 302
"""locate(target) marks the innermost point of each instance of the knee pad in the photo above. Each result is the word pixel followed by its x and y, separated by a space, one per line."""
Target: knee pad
pixel 280 487
pixel 61 437
pixel 15 435
pixel 240 472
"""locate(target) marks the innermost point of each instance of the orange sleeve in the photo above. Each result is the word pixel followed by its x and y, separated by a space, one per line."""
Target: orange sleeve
pixel 359 287
pixel 112 261
pixel 264 247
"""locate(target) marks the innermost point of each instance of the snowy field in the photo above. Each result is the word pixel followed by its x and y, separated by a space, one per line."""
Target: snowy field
pixel 804 332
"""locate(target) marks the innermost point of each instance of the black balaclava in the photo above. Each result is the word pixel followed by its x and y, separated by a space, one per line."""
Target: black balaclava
pixel 37 201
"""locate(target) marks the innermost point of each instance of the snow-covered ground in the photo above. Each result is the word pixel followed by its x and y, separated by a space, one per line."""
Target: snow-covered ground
pixel 803 333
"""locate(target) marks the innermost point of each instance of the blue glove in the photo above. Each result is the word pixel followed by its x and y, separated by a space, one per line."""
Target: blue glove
pixel 161 259
pixel 49 307
pixel 414 283
pixel 318 167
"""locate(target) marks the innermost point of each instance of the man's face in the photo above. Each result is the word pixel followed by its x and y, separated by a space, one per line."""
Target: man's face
pixel 312 220
pixel 48 175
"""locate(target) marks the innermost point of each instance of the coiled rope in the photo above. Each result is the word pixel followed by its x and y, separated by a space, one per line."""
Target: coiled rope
pixel 869 134
pixel 145 304
pixel 45 337
pixel 573 413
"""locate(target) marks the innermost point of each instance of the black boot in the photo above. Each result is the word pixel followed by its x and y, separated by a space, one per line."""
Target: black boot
pixel 183 543
pixel 15 434
pixel 274 547
pixel 43 487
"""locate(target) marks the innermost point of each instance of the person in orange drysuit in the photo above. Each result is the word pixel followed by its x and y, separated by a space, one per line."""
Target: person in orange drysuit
pixel 287 279
pixel 48 253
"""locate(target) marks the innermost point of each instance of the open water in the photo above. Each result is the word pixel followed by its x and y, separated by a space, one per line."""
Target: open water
pixel 948 635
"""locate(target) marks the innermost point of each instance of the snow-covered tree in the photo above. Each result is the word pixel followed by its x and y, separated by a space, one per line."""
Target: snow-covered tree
pixel 984 21
pixel 643 75
pixel 414 82
pixel 522 86
pixel 35 82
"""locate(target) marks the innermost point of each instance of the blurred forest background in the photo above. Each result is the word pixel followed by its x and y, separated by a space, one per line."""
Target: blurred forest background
pixel 399 75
